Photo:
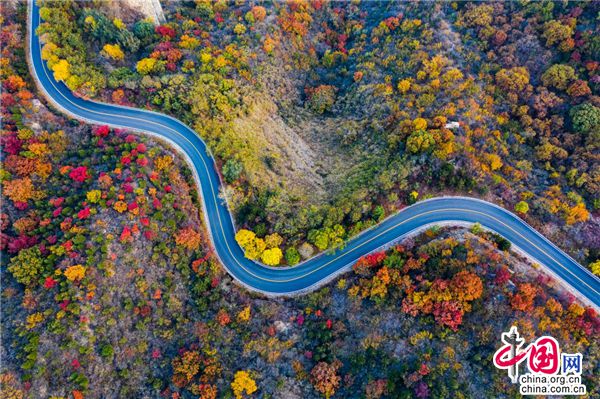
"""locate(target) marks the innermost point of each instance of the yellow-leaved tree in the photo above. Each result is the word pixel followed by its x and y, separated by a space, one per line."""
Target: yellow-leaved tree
pixel 577 214
pixel 272 256
pixel 113 51
pixel 595 267
pixel 253 246
pixel 48 53
pixel 62 70
pixel 75 272
pixel 148 65
pixel 244 237
pixel 242 382
pixel 94 196
pixel 189 42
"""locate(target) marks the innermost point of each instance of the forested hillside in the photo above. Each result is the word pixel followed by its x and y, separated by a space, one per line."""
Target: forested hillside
pixel 323 122
pixel 327 116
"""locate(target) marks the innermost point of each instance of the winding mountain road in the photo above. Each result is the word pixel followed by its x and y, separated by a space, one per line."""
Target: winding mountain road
pixel 314 272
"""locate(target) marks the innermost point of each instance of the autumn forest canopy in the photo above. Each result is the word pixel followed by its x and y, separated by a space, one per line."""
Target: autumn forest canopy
pixel 324 118
pixel 327 116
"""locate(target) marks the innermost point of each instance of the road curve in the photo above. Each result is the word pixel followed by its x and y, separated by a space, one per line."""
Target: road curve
pixel 314 272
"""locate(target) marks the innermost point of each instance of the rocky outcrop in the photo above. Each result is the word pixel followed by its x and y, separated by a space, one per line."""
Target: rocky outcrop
pixel 150 8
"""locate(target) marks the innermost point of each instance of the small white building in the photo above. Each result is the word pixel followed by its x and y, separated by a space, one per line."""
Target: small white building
pixel 452 125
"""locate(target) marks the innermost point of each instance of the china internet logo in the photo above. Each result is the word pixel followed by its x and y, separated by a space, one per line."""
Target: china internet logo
pixel 550 371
